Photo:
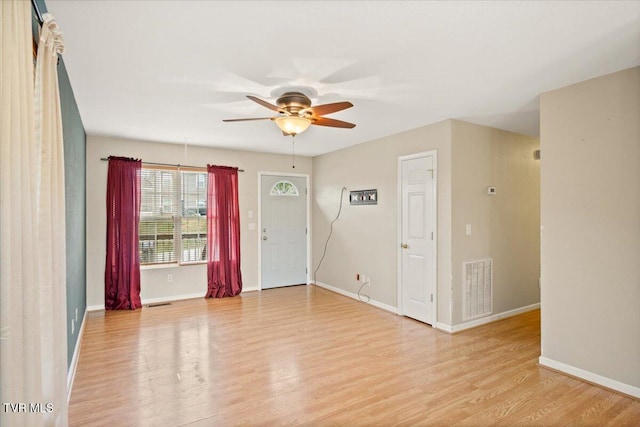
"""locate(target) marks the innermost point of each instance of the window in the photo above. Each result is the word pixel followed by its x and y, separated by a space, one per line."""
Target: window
pixel 284 188
pixel 173 215
pixel 193 229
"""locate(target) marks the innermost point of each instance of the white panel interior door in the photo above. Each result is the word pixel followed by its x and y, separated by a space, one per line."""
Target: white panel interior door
pixel 417 257
pixel 284 231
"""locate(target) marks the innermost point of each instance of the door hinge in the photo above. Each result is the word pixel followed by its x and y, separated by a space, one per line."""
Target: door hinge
pixel 306 270
pixel 431 297
pixel 432 235
pixel 305 230
pixel 431 171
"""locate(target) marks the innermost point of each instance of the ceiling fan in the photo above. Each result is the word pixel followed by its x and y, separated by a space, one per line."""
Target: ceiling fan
pixel 296 113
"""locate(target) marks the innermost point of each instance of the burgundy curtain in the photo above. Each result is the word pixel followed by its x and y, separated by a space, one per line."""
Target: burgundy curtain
pixel 223 233
pixel 122 271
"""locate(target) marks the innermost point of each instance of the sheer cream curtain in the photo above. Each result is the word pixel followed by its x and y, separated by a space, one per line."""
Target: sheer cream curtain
pixel 51 238
pixel 32 235
pixel 19 294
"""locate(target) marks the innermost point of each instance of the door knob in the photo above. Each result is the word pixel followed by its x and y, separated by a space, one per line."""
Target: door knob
pixel 264 237
pixel 404 246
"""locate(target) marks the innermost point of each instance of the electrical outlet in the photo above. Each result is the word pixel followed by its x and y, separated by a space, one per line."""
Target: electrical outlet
pixel 364 278
pixel 73 326
pixel 169 277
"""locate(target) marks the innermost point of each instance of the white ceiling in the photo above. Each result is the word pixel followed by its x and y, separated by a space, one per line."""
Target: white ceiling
pixel 170 71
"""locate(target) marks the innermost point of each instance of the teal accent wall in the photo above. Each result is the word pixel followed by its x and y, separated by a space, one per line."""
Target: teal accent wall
pixel 75 198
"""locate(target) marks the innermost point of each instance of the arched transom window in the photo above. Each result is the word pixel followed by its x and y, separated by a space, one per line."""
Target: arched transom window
pixel 284 188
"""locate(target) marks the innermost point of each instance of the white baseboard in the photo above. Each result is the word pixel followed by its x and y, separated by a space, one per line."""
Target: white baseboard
pixel 159 300
pixel 71 373
pixel 444 327
pixel 353 295
pixel 590 377
pixel 483 321
pixel 185 296
pixel 172 298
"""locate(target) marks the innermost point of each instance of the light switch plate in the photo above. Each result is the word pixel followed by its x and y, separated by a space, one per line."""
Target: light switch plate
pixel 363 197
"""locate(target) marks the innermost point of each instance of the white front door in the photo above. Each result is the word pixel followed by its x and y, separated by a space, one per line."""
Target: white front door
pixel 283 231
pixel 417 245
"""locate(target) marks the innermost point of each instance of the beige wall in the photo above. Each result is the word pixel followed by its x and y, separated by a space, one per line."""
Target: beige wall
pixel 505 226
pixel 590 135
pixel 365 237
pixel 190 279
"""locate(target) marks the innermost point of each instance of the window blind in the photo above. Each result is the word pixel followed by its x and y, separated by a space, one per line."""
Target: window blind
pixel 157 215
pixel 173 215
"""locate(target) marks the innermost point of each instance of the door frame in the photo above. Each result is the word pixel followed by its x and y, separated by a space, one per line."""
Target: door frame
pixel 434 155
pixel 308 219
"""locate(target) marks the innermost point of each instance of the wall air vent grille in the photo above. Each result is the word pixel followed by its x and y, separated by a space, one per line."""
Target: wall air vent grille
pixel 477 288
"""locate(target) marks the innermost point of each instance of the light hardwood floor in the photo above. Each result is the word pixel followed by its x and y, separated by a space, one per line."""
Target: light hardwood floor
pixel 304 355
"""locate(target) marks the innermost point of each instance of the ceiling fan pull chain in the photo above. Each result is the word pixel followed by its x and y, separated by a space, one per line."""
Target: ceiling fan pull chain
pixel 293 151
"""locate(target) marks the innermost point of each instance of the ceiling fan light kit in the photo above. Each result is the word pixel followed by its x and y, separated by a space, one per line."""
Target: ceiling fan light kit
pixel 297 114
pixel 293 125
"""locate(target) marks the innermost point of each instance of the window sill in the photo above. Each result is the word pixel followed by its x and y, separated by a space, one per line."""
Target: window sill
pixel 193 263
pixel 170 265
pixel 159 266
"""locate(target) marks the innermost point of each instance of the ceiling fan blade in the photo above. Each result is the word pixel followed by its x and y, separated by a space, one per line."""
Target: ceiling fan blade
pixel 323 121
pixel 264 103
pixel 321 110
pixel 246 120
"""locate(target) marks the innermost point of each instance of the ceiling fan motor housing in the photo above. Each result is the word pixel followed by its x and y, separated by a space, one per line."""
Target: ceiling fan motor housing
pixel 293 102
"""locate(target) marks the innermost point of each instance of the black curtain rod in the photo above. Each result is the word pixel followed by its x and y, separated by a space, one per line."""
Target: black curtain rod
pixel 104 159
pixel 37 9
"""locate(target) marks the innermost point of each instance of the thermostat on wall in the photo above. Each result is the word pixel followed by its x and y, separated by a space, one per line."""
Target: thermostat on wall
pixel 491 191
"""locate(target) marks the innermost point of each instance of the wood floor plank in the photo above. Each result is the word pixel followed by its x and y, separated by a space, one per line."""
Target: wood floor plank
pixel 306 356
